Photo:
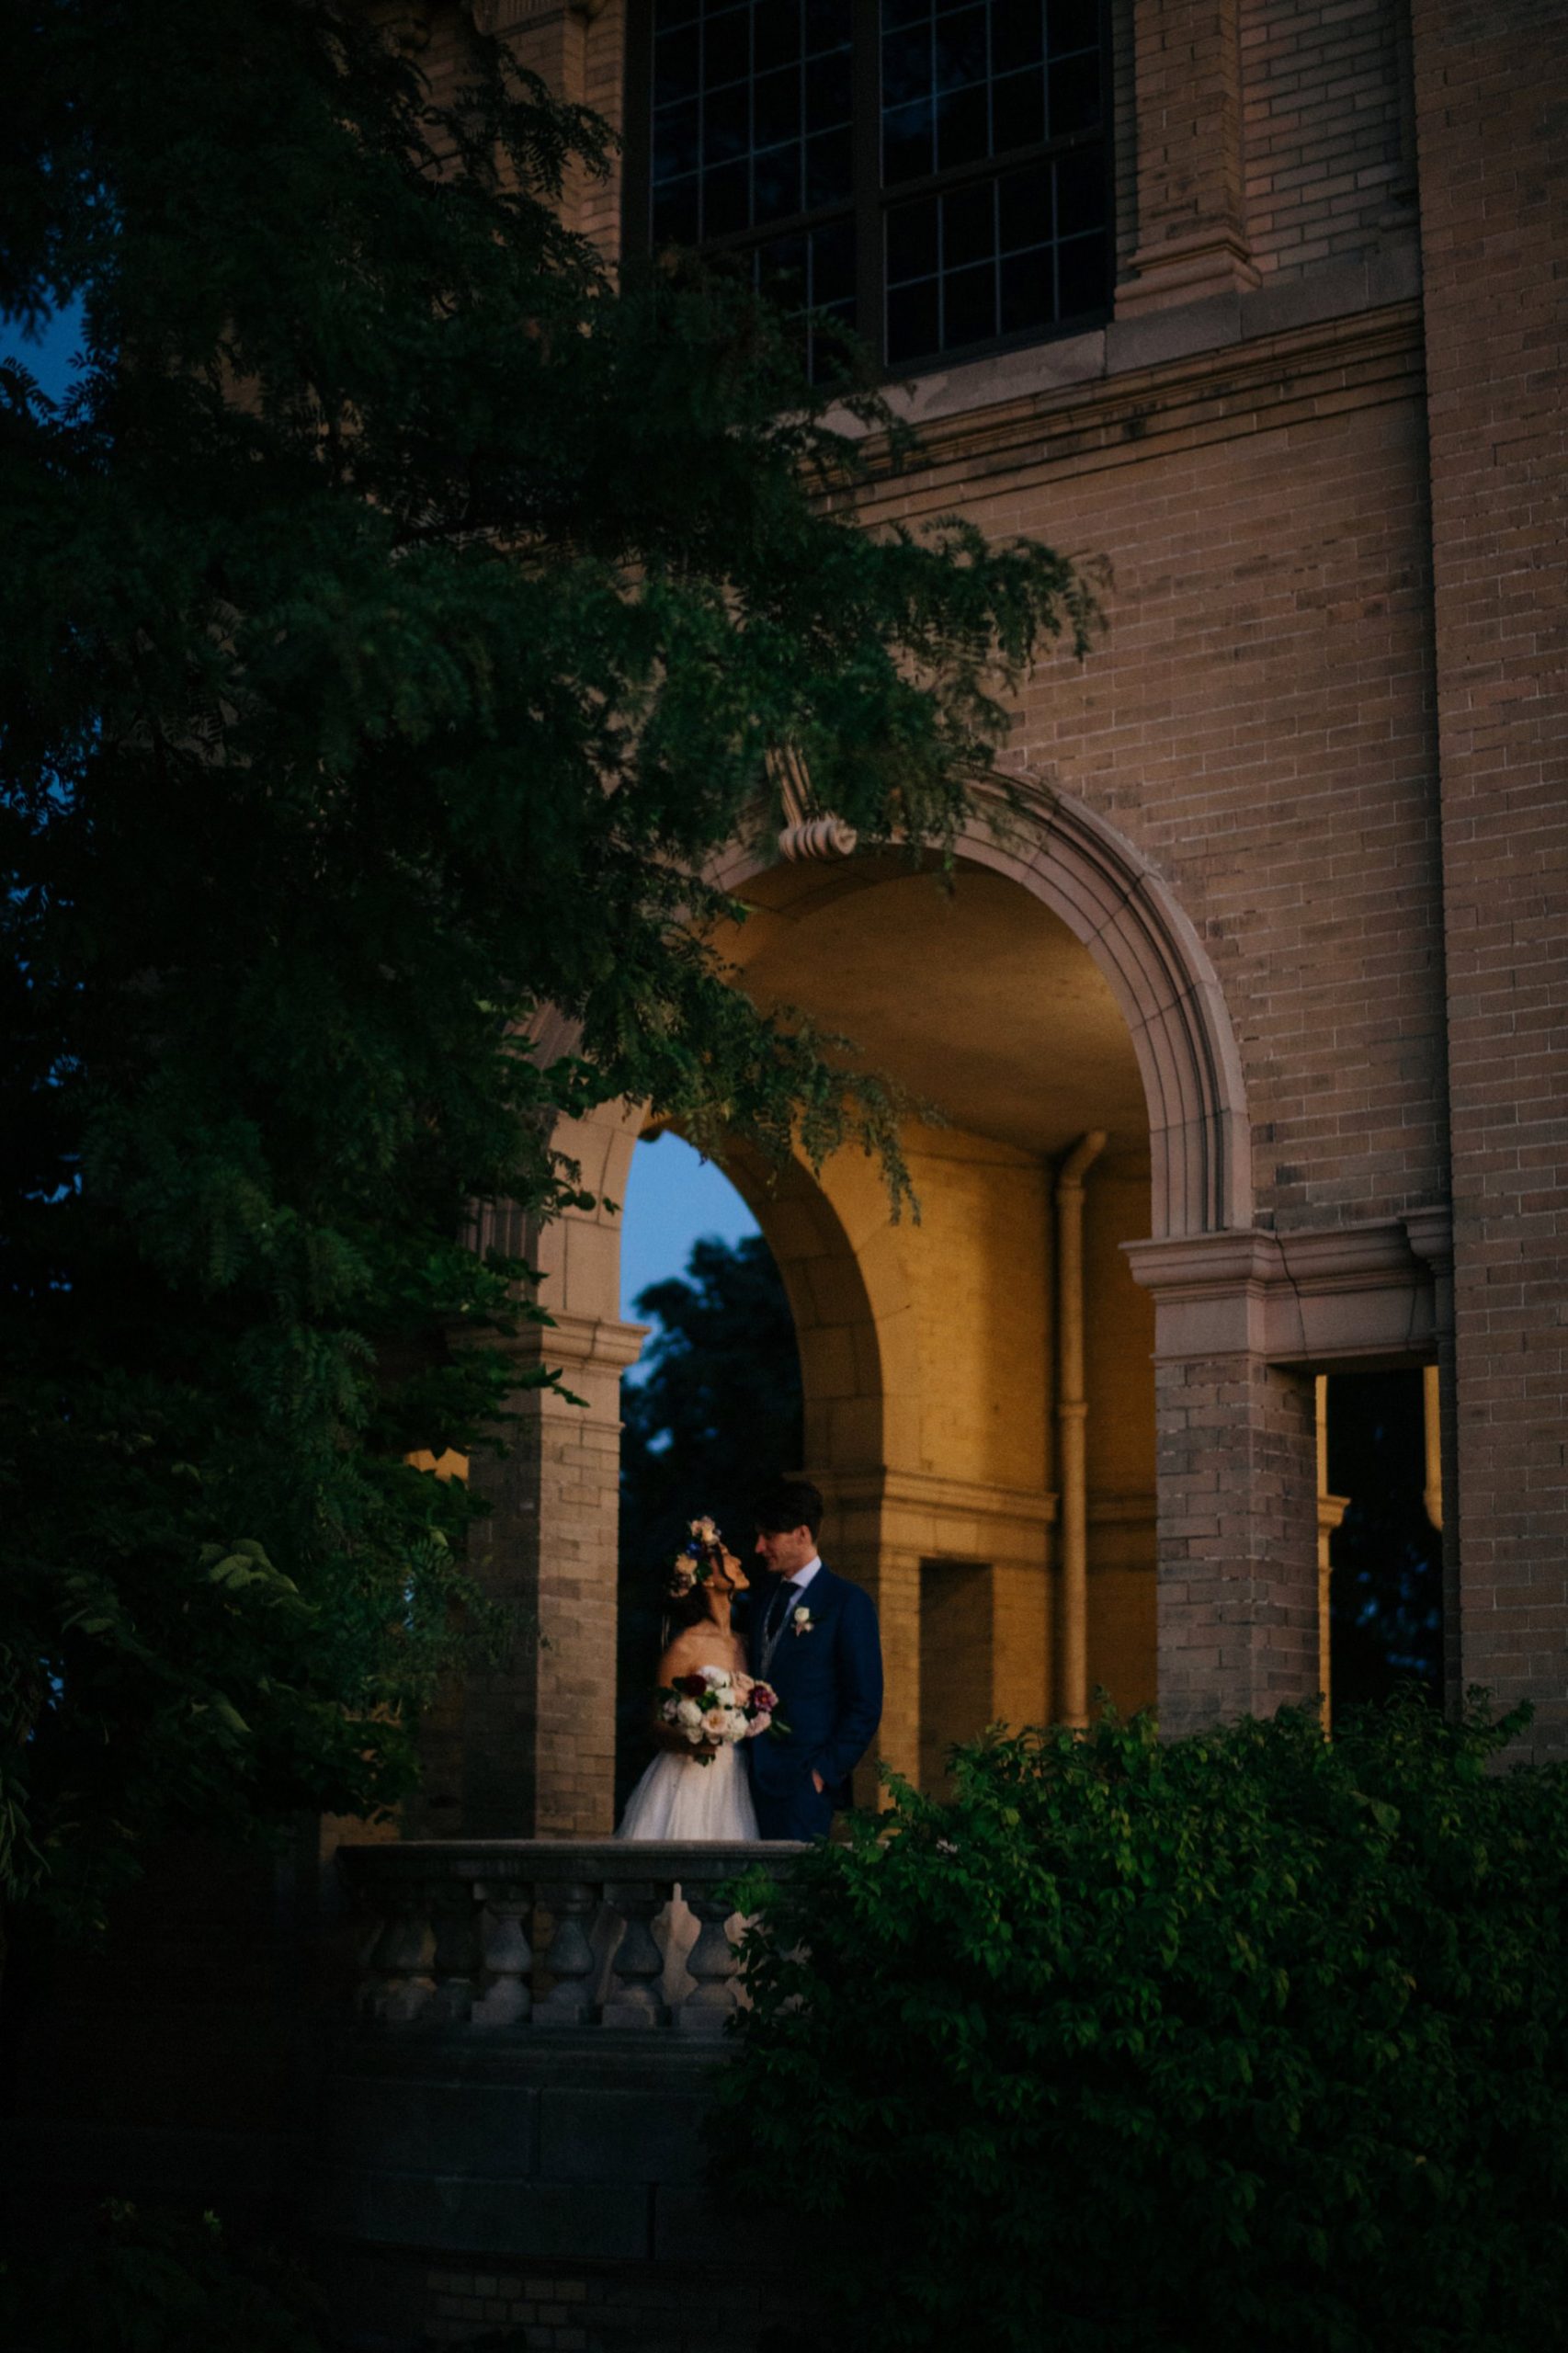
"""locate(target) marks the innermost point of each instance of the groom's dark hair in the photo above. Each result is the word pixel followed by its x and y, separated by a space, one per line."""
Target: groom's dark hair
pixel 789 1502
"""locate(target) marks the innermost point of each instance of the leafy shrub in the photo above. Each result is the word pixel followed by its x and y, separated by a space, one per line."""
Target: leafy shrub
pixel 1248 2040
pixel 138 2280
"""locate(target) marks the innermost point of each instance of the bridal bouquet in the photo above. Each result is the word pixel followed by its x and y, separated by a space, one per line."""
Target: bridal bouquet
pixel 713 1710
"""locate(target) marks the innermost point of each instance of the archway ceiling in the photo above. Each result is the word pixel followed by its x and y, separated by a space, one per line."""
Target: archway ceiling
pixel 979 1000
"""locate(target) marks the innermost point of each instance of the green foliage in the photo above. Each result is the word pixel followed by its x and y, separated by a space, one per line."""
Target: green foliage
pixel 716 1412
pixel 136 2280
pixel 1251 2040
pixel 393 620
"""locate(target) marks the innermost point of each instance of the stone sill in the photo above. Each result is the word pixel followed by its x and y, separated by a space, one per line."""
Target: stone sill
pixel 1337 289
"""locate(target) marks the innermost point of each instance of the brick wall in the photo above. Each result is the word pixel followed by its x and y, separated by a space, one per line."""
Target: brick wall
pixel 1237 1463
pixel 1259 718
pixel 1492 117
pixel 1323 127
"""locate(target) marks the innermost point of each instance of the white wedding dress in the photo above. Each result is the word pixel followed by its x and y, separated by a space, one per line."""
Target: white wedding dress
pixel 678 1798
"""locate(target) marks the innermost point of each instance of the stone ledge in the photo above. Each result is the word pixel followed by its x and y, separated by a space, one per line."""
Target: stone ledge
pixel 979 397
pixel 1336 1297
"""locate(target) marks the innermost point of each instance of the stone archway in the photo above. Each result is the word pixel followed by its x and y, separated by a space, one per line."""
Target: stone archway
pixel 1233 1440
pixel 1116 903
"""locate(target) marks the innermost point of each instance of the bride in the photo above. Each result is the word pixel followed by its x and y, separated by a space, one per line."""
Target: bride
pixel 696 1792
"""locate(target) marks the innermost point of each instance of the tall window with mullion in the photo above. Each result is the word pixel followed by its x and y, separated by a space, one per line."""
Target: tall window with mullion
pixel 993 171
pixel 933 173
pixel 751 151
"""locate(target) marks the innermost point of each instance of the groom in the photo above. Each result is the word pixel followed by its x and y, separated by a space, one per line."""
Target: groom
pixel 813 1637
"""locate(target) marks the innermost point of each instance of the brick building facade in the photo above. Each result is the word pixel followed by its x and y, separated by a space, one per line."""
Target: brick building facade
pixel 1300 815
pixel 1267 991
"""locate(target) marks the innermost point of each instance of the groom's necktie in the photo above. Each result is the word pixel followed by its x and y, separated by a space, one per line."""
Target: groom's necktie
pixel 771 1631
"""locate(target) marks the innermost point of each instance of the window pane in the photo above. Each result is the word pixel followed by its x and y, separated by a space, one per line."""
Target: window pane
pixel 908 143
pixel 1075 24
pixel 781 271
pixel 962 130
pixel 810 271
pixel 911 241
pixel 830 169
pixel 1081 276
pixel 1080 192
pixel 675 141
pixel 827 24
pixel 912 321
pixel 969 306
pixel 775 34
pixel 906 67
pixel 1018 111
pixel 674 12
pixel 1076 95
pixel 1027 294
pixel 959 49
pixel 726 47
pixel 1025 208
pixel 969 225
pixel 675 219
pixel 725 131
pixel 775 106
pixel 775 183
pixel 829 91
pixel 675 66
pixel 1017 34
pixel 725 208
pixel 833 263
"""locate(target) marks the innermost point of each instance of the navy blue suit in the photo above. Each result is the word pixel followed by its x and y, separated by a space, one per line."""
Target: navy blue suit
pixel 829 1682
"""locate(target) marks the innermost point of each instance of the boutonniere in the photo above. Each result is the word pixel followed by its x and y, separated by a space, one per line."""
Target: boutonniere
pixel 802 1621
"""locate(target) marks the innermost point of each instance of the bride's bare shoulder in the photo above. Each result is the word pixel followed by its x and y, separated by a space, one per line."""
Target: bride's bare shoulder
pixel 700 1646
pixel 687 1650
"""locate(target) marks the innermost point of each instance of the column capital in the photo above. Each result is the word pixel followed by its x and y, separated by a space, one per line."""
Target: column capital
pixel 580 1342
pixel 1324 1296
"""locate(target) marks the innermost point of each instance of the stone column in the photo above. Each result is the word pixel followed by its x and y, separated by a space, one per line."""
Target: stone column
pixel 1192 237
pixel 537 1732
pixel 1236 1481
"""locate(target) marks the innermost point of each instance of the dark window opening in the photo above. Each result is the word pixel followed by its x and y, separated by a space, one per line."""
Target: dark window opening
pixel 1386 1582
pixel 932 174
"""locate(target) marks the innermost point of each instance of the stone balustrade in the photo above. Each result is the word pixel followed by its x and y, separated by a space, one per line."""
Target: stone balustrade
pixel 545 1934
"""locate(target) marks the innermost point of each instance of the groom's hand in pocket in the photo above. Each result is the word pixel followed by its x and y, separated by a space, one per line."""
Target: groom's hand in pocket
pixel 817 1782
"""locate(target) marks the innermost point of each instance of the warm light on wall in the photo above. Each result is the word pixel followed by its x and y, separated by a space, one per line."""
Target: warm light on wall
pixel 449 1465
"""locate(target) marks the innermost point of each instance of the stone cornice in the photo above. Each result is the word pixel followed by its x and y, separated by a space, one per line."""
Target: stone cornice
pixel 579 1341
pixel 921 1511
pixel 1339 1295
pixel 1098 419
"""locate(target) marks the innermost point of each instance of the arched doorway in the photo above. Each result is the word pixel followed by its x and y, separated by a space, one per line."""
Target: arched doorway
pixel 930 1346
pixel 1057 994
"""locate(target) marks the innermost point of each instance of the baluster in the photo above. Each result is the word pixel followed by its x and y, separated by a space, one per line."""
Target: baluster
pixel 508 1957
pixel 712 1962
pixel 569 1960
pixel 634 1999
pixel 404 1955
pixel 455 1954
